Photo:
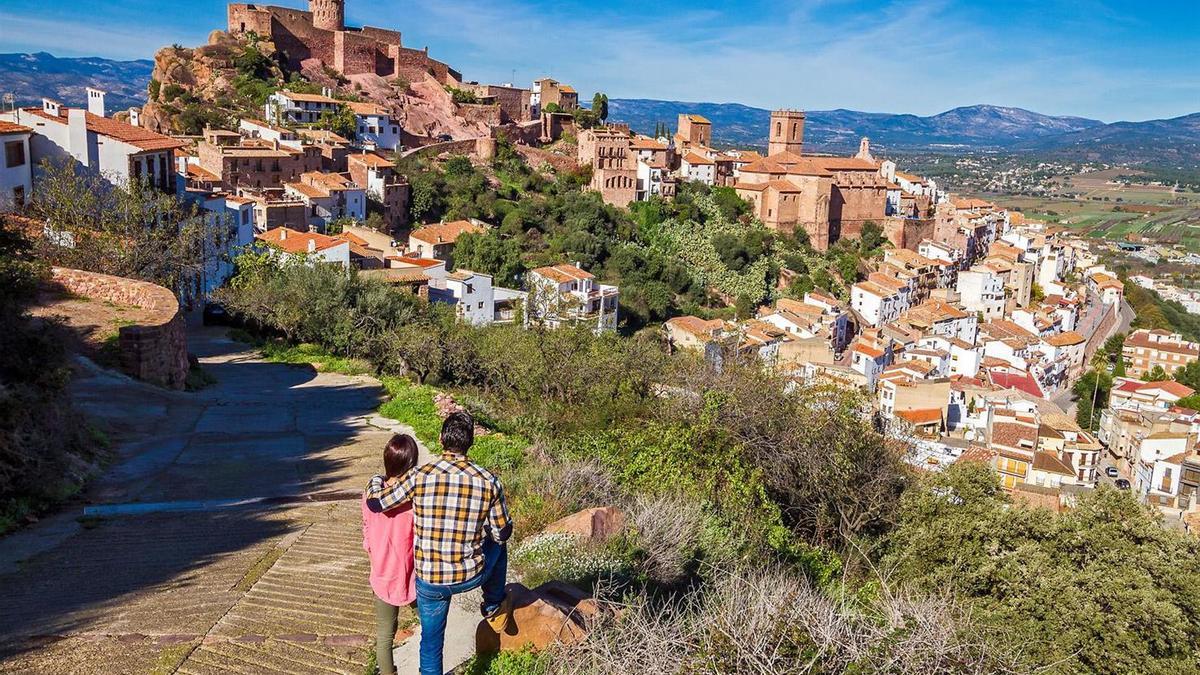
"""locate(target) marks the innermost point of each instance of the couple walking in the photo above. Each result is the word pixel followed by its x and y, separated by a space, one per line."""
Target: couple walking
pixel 433 532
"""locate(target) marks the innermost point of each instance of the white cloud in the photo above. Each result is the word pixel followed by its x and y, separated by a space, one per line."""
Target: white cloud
pixel 79 38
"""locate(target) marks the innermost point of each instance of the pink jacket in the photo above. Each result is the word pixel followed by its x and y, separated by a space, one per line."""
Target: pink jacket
pixel 388 540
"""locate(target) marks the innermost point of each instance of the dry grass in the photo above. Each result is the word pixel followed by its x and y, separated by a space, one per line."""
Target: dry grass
pixel 770 622
pixel 667 530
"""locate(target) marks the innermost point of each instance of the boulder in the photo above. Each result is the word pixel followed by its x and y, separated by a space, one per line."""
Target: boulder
pixel 550 614
pixel 595 524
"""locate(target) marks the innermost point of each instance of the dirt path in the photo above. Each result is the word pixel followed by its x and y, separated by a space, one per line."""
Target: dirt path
pixel 164 574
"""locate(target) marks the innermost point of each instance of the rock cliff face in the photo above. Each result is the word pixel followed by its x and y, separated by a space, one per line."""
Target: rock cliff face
pixel 201 76
pixel 208 84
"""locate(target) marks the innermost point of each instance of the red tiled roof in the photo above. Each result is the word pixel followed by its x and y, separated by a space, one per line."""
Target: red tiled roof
pixel 1013 435
pixel 1170 386
pixel 354 239
pixel 310 98
pixel 138 137
pixel 423 263
pixel 370 159
pixel 696 326
pixel 297 242
pixel 10 128
pixel 445 233
pixel 1049 462
pixel 1065 339
pixel 922 416
pixel 1021 382
pixel 563 273
pixel 1140 339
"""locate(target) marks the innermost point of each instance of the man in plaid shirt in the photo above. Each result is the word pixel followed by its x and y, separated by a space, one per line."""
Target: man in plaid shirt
pixel 461 524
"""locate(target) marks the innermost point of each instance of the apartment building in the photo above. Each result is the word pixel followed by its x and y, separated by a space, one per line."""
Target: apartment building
pixel 1146 349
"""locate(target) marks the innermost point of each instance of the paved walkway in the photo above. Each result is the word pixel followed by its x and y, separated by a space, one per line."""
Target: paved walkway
pixel 279 586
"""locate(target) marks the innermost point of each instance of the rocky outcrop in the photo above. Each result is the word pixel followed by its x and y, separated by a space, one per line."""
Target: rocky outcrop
pixel 418 100
pixel 596 524
pixel 205 74
pixel 447 406
pixel 553 613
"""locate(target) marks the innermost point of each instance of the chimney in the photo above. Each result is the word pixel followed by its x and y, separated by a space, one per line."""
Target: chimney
pixel 275 143
pixel 327 92
pixel 77 136
pixel 312 245
pixel 95 100
pixel 51 106
pixel 135 117
pixel 282 233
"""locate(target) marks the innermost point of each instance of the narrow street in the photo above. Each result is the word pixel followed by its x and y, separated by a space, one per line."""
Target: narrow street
pixel 171 569
pixel 1065 399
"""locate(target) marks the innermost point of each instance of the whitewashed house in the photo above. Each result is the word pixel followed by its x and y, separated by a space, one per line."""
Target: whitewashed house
pixel 565 294
pixel 16 169
pixel 120 152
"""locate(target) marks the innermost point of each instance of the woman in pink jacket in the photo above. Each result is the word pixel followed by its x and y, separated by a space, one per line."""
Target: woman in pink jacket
pixel 388 539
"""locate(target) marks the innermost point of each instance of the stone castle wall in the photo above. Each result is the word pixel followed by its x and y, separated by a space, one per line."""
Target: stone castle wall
pixel 153 352
pixel 350 51
pixel 907 232
pixel 476 113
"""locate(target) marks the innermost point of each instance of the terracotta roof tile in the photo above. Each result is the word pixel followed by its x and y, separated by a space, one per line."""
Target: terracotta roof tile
pixel 297 242
pixel 140 138
pixel 10 128
pixel 563 273
pixel 445 233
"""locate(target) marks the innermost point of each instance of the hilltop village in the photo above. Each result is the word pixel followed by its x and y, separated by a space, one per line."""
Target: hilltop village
pixel 969 329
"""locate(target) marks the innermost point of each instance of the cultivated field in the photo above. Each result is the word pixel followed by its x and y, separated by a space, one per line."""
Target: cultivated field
pixel 1109 210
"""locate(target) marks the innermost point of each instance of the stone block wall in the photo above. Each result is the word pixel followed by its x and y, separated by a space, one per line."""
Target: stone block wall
pixel 476 113
pixel 463 147
pixel 907 232
pixel 155 351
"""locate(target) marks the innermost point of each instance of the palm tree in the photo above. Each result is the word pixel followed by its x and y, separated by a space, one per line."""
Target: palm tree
pixel 1100 358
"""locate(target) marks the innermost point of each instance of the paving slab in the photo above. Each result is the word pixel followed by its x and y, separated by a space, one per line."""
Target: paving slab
pixel 239 581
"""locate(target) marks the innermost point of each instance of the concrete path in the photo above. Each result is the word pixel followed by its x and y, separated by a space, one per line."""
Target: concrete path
pixel 275 587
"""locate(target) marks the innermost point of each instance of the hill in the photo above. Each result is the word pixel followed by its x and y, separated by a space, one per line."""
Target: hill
pixel 30 77
pixel 971 127
pixel 1172 142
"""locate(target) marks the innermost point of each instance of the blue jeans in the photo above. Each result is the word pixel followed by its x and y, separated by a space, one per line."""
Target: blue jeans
pixel 433 602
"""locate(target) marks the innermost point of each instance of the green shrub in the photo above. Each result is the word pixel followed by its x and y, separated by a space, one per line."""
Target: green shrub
pixel 412 404
pixel 522 662
pixel 315 355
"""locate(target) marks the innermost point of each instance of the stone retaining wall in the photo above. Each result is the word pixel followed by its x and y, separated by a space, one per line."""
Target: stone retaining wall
pixel 154 351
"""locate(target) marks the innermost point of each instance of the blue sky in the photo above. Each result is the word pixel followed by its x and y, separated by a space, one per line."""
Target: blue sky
pixel 1107 59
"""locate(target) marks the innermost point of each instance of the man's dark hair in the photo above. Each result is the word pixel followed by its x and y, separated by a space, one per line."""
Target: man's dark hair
pixel 399 455
pixel 458 432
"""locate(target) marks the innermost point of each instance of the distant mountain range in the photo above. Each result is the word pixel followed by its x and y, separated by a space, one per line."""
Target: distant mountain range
pixel 31 77
pixel 1173 142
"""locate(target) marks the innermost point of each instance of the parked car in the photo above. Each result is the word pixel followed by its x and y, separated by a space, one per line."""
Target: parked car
pixel 1112 472
pixel 215 314
pixel 444 138
pixel 1122 484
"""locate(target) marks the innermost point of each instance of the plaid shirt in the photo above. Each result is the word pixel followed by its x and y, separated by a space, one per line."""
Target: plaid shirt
pixel 454 502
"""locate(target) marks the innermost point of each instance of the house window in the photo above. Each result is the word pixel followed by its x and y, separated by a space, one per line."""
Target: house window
pixel 19 196
pixel 14 154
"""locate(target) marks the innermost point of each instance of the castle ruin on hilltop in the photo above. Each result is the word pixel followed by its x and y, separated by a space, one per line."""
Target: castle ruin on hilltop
pixel 321 33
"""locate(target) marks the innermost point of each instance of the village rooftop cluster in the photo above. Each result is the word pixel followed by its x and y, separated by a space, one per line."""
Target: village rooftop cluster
pixel 968 334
